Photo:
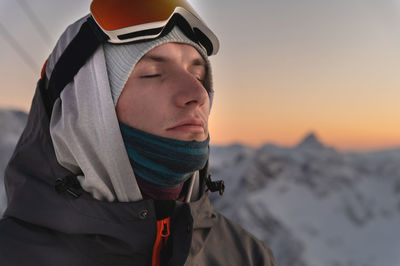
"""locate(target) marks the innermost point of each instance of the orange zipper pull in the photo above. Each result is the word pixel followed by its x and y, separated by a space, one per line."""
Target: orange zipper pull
pixel 163 232
pixel 165 228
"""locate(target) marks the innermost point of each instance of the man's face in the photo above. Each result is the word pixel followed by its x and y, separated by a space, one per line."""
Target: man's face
pixel 165 96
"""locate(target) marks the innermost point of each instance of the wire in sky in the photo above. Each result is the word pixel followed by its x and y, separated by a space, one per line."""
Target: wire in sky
pixel 20 51
pixel 35 21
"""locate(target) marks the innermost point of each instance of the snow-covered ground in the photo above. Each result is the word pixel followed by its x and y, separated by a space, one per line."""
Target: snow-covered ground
pixel 313 205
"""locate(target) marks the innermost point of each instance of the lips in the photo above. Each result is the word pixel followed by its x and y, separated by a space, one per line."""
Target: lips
pixel 189 124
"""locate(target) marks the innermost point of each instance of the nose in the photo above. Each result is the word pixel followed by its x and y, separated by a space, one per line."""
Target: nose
pixel 190 91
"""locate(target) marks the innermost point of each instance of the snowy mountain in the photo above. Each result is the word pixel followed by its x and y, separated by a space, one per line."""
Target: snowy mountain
pixel 12 123
pixel 313 205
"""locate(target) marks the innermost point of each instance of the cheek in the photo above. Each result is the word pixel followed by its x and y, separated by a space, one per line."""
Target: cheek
pixel 206 115
pixel 128 105
pixel 143 111
pixel 207 107
pixel 132 111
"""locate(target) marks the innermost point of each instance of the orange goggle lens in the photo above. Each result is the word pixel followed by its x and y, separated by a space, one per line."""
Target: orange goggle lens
pixel 138 18
pixel 116 14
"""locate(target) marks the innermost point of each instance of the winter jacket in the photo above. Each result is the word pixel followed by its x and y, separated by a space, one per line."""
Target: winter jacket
pixel 51 220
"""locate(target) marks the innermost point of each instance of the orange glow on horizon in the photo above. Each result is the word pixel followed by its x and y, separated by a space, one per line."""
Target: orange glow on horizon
pixel 360 129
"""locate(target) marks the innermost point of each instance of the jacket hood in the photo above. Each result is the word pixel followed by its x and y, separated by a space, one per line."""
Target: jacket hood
pixel 82 138
pixel 85 132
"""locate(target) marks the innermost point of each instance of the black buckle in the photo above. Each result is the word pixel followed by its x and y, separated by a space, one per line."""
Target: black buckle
pixel 69 184
pixel 214 186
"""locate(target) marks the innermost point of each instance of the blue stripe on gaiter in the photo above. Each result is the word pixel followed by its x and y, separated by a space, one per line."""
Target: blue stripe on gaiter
pixel 163 161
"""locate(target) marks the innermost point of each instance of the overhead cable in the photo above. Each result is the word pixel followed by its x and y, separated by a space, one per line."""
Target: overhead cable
pixel 35 21
pixel 18 48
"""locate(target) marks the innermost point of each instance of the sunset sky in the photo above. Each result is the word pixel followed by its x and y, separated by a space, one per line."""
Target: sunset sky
pixel 285 67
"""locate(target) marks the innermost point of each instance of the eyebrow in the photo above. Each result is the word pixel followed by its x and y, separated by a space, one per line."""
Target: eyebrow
pixel 154 58
pixel 161 59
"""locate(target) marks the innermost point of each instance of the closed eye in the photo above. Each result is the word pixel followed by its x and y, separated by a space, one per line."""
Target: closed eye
pixel 201 81
pixel 151 76
pixel 199 78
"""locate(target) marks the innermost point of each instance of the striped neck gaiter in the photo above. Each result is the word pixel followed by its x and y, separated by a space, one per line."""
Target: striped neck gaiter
pixel 163 162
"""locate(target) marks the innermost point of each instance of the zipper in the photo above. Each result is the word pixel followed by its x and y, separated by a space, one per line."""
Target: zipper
pixel 163 232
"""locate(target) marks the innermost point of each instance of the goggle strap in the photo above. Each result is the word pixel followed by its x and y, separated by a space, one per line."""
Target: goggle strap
pixel 78 51
pixel 193 34
pixel 96 30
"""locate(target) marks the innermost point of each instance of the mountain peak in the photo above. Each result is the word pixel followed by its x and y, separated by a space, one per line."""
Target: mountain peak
pixel 311 141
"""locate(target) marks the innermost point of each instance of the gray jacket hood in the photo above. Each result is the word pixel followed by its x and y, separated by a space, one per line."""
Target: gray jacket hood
pixel 85 132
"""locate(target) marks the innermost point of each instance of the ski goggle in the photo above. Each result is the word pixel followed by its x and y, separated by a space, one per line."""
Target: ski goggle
pixel 126 21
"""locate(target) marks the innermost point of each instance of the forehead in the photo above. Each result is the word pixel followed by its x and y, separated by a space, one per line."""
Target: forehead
pixel 174 52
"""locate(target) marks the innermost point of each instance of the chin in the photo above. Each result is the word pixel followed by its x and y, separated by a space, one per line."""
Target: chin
pixel 188 137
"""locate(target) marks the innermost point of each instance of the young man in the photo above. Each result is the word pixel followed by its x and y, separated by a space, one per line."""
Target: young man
pixel 112 166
